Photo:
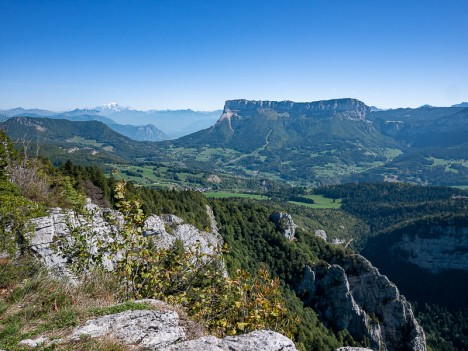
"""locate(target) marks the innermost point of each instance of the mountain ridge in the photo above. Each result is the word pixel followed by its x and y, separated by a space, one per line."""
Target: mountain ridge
pixel 325 142
pixel 173 123
pixel 86 140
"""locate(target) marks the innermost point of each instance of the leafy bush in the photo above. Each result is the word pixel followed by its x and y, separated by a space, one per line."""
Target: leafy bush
pixel 184 276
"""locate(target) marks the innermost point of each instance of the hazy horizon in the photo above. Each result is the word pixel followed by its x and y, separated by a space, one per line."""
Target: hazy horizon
pixel 176 54
pixel 201 111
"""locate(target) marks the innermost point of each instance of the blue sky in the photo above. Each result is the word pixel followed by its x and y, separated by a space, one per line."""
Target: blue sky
pixel 198 53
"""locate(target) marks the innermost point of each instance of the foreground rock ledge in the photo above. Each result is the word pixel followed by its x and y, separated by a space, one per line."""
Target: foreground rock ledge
pixel 162 329
pixel 256 340
pixel 147 329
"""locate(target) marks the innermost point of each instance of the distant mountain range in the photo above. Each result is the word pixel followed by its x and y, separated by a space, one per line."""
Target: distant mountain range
pixel 153 125
pixel 315 143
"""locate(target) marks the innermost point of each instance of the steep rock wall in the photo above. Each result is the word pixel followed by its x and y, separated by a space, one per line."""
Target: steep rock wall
pixel 425 255
pixel 356 297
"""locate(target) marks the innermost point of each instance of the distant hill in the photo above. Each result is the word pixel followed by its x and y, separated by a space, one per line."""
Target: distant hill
pixel 140 133
pixel 170 123
pixel 147 132
pixel 175 123
pixel 463 104
pixel 435 144
pixel 325 142
pixel 21 111
pixel 424 126
pixel 85 141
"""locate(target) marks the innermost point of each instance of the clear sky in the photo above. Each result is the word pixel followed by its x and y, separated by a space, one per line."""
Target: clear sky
pixel 196 54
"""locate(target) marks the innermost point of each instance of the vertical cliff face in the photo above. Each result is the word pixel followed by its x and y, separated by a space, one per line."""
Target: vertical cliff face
pixel 439 249
pixel 424 255
pixel 351 107
pixel 356 297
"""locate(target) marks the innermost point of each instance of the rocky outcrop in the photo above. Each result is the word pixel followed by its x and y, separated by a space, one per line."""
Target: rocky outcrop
pixel 51 236
pixel 166 230
pixel 53 232
pixel 161 329
pixel 147 329
pixel 31 343
pixel 255 341
pixel 321 234
pixel 354 296
pixel 285 223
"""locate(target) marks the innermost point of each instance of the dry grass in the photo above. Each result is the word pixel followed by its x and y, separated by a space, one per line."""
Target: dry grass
pixel 33 303
pixel 102 344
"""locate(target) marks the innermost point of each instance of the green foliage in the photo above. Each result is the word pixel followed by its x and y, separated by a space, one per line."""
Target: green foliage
pixel 75 198
pixel 243 303
pixel 6 152
pixel 253 239
pixel 188 204
pixel 183 276
pixel 90 180
pixel 33 303
pixel 14 209
pixel 446 328
pixel 383 205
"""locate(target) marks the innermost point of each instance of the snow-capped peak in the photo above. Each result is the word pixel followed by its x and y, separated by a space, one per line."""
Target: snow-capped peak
pixel 112 107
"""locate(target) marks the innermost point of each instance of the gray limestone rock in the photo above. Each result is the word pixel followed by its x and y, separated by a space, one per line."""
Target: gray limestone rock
pixel 168 229
pixel 146 329
pixel 440 248
pixel 285 223
pixel 52 242
pixel 161 329
pixel 258 340
pixel 321 234
pixel 348 108
pixel 52 234
pixel 32 343
pixel 356 297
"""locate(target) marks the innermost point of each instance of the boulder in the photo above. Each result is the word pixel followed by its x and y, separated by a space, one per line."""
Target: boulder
pixel 258 340
pixel 147 329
